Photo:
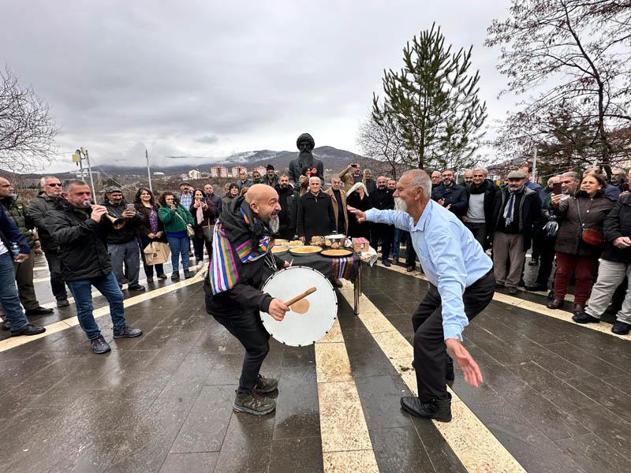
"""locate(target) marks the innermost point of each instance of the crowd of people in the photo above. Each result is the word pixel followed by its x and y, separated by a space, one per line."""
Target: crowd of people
pixel 578 228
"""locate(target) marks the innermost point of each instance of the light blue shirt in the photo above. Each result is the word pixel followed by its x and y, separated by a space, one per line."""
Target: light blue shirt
pixel 451 258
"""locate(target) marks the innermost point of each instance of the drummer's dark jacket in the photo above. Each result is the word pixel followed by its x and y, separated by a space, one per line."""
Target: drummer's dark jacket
pixel 239 225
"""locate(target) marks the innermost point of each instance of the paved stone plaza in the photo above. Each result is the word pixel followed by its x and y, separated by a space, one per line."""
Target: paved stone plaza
pixel 556 395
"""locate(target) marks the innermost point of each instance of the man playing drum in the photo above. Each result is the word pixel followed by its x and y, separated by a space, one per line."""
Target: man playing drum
pixel 240 264
pixel 461 285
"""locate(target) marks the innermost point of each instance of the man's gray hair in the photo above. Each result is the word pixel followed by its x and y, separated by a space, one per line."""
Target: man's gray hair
pixel 73 182
pixel 315 177
pixel 419 178
pixel 485 171
pixel 571 175
pixel 43 180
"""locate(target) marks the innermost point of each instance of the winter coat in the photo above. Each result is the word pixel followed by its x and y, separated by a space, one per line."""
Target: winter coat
pixel 82 241
pixel 618 224
pixel 356 229
pixel 17 211
pixel 129 230
pixel 490 190
pixel 270 182
pixel 336 209
pixel 9 233
pixel 454 195
pixel 315 216
pixel 36 215
pixel 288 213
pixel 529 213
pixel 174 223
pixel 592 215
pixel 144 227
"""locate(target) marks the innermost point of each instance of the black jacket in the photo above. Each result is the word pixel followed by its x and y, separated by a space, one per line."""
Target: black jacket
pixel 315 216
pixel 381 199
pixel 529 213
pixel 36 215
pixel 129 231
pixel 246 295
pixel 618 224
pixel 454 195
pixel 82 242
pixel 287 215
pixel 490 190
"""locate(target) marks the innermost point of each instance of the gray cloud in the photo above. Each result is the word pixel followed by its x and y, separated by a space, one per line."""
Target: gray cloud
pixel 199 78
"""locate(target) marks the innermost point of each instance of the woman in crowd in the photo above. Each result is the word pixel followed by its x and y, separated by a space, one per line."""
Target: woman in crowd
pixel 175 219
pixel 357 197
pixel 233 193
pixel 614 266
pixel 150 230
pixel 579 239
pixel 204 213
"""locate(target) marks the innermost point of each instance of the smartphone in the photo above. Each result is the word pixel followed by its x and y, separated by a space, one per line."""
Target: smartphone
pixel 130 207
pixel 556 188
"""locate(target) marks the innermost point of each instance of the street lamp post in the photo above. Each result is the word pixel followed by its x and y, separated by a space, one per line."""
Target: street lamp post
pixel 78 157
pixel 148 170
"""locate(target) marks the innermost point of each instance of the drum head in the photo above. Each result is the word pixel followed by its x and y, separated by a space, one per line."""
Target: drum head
pixel 301 329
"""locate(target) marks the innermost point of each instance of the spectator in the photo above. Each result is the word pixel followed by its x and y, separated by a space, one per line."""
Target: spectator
pixel 35 218
pixel 256 177
pixel 287 215
pixel 315 212
pixel 175 219
pixel 204 214
pixel 81 230
pixel 150 229
pixel 24 269
pixel 305 164
pixel 233 193
pixel 302 187
pixel 16 320
pixel 186 195
pixel 369 182
pixel 615 265
pixel 575 253
pixel 619 179
pixel 122 243
pixel 209 190
pixel 451 195
pixel 270 178
pixel 526 168
pixel 338 200
pixel 610 191
pixel 517 208
pixel 350 175
pixel 382 199
pixel 357 197
pixel 467 176
pixel 243 180
pixel 480 204
pixel 437 179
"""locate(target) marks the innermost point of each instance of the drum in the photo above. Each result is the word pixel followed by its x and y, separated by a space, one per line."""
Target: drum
pixel 301 329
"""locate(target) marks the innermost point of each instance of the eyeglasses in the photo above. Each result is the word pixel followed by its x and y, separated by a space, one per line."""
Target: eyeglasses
pixel 54 184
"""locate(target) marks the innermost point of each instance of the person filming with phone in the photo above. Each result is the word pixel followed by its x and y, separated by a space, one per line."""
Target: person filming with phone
pixel 121 242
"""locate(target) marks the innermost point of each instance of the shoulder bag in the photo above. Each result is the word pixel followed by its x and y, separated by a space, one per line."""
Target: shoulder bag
pixel 589 236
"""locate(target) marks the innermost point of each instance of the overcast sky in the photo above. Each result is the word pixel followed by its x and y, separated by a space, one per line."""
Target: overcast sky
pixel 211 78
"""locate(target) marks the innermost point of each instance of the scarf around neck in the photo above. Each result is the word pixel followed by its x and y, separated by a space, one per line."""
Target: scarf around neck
pixel 509 209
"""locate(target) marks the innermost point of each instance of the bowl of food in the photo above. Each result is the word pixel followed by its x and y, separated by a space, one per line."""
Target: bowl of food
pixel 335 241
pixel 317 240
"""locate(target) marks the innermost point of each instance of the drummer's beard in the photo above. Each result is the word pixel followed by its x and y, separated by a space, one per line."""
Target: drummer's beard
pixel 400 204
pixel 274 223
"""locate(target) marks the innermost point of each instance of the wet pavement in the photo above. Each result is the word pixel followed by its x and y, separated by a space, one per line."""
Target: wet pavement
pixel 556 395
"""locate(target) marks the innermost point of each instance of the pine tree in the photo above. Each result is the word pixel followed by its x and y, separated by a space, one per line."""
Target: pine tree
pixel 434 102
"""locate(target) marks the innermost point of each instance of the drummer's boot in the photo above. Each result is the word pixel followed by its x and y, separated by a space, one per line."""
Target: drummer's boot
pixel 437 409
pixel 265 385
pixel 252 403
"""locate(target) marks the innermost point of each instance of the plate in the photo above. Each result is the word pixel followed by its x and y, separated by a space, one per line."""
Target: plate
pixel 279 250
pixel 337 253
pixel 305 250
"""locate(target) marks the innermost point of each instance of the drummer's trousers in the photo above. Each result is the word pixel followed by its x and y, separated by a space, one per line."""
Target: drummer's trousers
pixel 247 327
pixel 430 351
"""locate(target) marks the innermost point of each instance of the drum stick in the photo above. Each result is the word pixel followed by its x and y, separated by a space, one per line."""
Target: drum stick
pixel 311 290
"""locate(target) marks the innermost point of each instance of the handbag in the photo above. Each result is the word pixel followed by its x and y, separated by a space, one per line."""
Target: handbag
pixel 156 252
pixel 190 231
pixel 207 232
pixel 589 236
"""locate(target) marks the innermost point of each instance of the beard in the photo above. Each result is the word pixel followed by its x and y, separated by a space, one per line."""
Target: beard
pixel 274 223
pixel 400 204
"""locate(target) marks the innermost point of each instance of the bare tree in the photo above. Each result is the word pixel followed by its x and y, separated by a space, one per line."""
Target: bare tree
pixel 383 142
pixel 27 131
pixel 576 55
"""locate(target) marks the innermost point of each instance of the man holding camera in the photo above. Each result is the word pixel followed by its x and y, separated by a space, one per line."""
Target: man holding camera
pixel 81 230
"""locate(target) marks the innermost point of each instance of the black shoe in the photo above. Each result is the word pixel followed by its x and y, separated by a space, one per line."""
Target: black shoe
pixel 28 329
pixel 521 283
pixel 251 403
pixel 175 277
pixel 188 274
pixel 555 304
pixel 149 278
pixel 99 345
pixel 387 263
pixel 162 276
pixel 621 328
pixel 449 375
pixel 39 311
pixel 136 288
pixel 62 303
pixel 584 318
pixel 409 269
pixel 127 332
pixel 537 288
pixel 512 290
pixel 437 409
pixel 265 385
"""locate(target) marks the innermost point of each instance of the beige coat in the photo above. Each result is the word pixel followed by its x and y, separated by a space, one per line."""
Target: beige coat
pixel 329 191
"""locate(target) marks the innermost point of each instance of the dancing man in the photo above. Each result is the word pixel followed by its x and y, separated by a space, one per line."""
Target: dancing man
pixel 241 262
pixel 461 285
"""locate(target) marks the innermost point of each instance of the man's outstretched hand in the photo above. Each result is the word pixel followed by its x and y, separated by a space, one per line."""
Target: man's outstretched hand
pixel 361 216
pixel 470 369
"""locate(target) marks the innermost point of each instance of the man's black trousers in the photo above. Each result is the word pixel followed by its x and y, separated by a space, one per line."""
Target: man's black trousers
pixel 247 327
pixel 430 351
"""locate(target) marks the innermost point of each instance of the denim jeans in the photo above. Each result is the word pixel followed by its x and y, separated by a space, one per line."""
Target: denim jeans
pixel 9 294
pixel 179 247
pixel 396 244
pixel 82 292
